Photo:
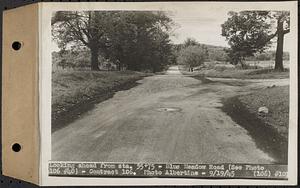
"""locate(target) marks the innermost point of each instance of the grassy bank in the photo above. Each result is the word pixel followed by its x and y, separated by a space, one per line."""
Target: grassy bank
pixel 74 92
pixel 270 131
pixel 230 72
pixel 276 100
pixel 245 74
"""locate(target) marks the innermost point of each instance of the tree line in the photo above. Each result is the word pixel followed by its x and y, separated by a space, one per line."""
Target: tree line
pixel 191 53
pixel 140 40
pixel 135 40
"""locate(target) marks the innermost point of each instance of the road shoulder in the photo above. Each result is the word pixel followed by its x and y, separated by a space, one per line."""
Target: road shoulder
pixel 267 137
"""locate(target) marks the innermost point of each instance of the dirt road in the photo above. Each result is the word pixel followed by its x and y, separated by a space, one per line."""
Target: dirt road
pixel 166 118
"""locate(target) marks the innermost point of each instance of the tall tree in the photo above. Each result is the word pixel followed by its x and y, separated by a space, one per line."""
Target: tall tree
pixel 283 27
pixel 86 28
pixel 249 32
pixel 138 40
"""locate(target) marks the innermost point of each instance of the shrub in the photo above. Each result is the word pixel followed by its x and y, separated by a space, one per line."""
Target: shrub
pixel 191 56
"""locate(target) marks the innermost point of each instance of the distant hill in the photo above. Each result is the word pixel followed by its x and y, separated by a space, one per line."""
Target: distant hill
pixel 214 53
pixel 218 53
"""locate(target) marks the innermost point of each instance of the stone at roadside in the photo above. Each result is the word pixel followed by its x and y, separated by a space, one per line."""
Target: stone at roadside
pixel 263 110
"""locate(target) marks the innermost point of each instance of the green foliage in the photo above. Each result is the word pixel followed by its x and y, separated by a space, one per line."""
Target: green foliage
pixel 71 59
pixel 190 42
pixel 140 40
pixel 251 32
pixel 267 56
pixel 192 56
pixel 131 39
pixel 217 54
pixel 212 53
pixel 247 32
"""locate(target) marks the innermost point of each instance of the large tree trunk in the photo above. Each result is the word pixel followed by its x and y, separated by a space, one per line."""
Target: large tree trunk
pixel 279 49
pixel 94 59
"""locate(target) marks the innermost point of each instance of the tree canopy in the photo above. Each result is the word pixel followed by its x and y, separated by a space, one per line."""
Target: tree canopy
pixel 249 32
pixel 137 40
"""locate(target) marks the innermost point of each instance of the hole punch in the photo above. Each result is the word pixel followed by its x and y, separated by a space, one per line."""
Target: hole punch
pixel 16 147
pixel 16 45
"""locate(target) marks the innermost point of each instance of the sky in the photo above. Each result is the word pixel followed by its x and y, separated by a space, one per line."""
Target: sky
pixel 205 27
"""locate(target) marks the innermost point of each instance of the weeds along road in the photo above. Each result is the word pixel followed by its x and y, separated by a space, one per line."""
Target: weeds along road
pixel 166 118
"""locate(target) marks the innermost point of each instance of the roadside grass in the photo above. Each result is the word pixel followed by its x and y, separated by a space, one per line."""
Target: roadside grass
pixel 270 131
pixel 232 72
pixel 276 99
pixel 72 90
pixel 246 74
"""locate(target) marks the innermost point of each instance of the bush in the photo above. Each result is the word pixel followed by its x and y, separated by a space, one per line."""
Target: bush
pixel 245 66
pixel 220 68
pixel 191 56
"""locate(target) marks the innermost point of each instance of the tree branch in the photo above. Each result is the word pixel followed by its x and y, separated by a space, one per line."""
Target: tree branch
pixel 272 36
pixel 286 31
pixel 77 33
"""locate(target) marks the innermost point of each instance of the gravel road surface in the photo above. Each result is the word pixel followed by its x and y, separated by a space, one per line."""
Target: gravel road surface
pixel 166 118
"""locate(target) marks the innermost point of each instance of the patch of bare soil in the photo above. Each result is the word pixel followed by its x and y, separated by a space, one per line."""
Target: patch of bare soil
pixel 266 136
